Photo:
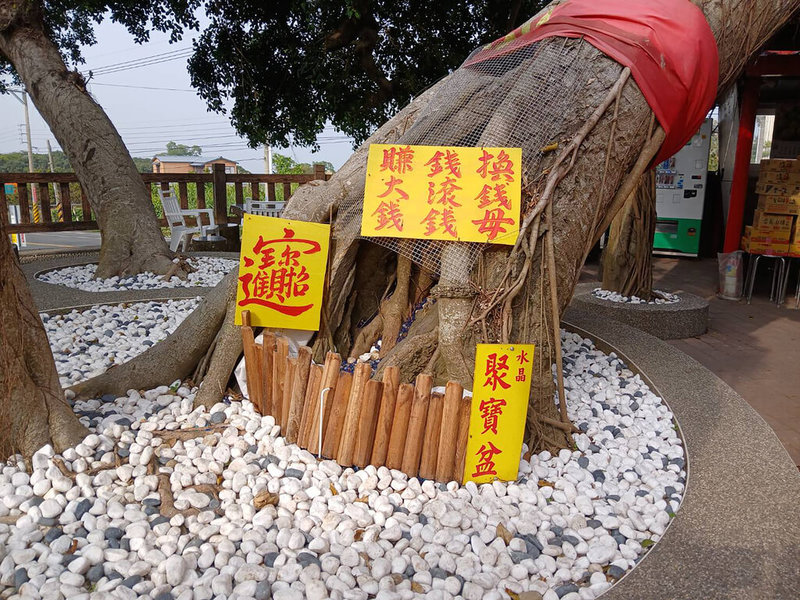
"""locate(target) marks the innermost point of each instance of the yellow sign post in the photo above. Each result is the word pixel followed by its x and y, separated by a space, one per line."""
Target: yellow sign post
pixel 282 272
pixel 499 408
pixel 443 193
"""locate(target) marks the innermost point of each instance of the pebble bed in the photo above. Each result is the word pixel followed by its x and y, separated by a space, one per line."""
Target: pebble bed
pixel 86 343
pixel 575 522
pixel 209 273
pixel 662 298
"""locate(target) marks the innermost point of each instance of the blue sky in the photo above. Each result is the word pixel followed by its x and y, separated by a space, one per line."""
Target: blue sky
pixel 148 118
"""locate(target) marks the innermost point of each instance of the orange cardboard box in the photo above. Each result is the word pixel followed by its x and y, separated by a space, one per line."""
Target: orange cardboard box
pixel 779 177
pixel 779 164
pixel 778 189
pixel 779 204
pixel 768 247
pixel 778 222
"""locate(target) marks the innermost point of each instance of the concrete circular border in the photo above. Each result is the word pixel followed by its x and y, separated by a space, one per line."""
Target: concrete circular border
pixel 687 318
pixel 737 534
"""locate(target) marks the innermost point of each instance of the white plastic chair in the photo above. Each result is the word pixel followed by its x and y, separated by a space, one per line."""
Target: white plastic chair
pixel 179 230
pixel 265 208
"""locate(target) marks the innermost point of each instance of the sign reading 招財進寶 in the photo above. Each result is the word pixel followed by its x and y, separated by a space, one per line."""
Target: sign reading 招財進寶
pixel 499 409
pixel 282 272
pixel 442 193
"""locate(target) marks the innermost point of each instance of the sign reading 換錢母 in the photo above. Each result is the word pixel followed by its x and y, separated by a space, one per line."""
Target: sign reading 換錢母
pixel 442 193
pixel 498 412
pixel 282 272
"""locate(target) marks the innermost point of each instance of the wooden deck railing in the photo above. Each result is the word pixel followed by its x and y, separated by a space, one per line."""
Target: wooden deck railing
pixel 216 189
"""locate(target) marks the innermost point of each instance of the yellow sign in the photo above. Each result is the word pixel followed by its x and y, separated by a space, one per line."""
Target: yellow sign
pixel 443 193
pixel 499 408
pixel 282 272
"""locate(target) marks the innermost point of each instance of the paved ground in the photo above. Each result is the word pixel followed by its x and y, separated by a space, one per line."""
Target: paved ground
pixel 49 297
pixel 67 240
pixel 753 348
pixel 736 534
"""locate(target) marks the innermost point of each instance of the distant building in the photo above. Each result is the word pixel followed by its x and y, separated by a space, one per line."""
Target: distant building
pixel 191 164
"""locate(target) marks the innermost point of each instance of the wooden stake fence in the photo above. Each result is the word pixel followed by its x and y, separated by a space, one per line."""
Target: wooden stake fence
pixel 364 421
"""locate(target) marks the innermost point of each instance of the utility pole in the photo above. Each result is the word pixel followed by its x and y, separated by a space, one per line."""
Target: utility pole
pixel 268 159
pixel 22 97
pixel 56 189
pixel 267 167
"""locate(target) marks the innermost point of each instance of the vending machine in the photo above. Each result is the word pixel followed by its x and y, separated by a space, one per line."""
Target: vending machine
pixel 680 195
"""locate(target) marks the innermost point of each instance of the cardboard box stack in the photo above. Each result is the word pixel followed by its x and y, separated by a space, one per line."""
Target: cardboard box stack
pixel 775 227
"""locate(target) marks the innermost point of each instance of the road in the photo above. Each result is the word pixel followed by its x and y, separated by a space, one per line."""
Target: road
pixel 64 240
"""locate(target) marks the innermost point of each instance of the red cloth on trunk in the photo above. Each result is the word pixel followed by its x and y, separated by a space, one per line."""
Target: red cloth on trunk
pixel 668 45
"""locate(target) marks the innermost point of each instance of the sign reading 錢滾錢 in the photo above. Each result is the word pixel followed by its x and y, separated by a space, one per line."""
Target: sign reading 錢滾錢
pixel 442 193
pixel 282 272
pixel 499 408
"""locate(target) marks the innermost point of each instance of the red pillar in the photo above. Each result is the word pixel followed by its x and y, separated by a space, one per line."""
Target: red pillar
pixel 741 163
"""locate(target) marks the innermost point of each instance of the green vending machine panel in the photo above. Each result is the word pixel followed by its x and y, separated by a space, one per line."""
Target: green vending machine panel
pixel 677 235
pixel 680 195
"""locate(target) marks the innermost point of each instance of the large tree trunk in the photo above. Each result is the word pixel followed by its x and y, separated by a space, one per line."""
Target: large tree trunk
pixel 627 258
pixel 33 411
pixel 612 131
pixel 131 238
pixel 606 140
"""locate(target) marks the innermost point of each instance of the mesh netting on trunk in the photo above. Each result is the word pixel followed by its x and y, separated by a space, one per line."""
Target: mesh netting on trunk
pixel 515 100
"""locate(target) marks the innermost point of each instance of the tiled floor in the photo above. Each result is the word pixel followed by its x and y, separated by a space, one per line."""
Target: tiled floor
pixel 754 348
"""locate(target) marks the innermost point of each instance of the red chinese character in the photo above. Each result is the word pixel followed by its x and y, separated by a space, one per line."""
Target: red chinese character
pixel 484 160
pixel 491 410
pixel 449 222
pixel 391 186
pixel 484 197
pixel 398 160
pixel 502 166
pixel 520 374
pixel 501 197
pixel 389 215
pixel 496 371
pixel 289 257
pixel 522 357
pixel 485 465
pixel 452 163
pixel 493 223
pixel 447 190
pixel 281 280
pixel 430 222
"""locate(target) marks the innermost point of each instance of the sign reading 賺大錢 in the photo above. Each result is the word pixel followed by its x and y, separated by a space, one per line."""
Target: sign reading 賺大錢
pixel 282 272
pixel 499 408
pixel 442 193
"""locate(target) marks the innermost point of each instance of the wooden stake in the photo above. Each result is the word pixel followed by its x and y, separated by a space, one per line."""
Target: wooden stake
pixel 267 360
pixel 297 401
pixel 430 443
pixel 448 435
pixel 279 367
pixel 402 412
pixel 465 407
pixel 416 424
pixel 347 442
pixel 312 391
pixel 367 420
pixel 250 360
pixel 330 377
pixel 383 430
pixel 335 419
pixel 288 383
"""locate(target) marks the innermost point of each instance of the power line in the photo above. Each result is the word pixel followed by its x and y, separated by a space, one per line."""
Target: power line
pixel 143 87
pixel 142 61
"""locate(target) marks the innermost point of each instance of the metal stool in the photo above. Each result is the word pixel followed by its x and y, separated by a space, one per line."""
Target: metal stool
pixel 785 283
pixel 776 292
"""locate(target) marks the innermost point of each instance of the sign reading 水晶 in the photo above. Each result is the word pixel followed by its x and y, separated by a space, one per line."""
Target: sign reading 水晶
pixel 499 408
pixel 282 272
pixel 442 193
